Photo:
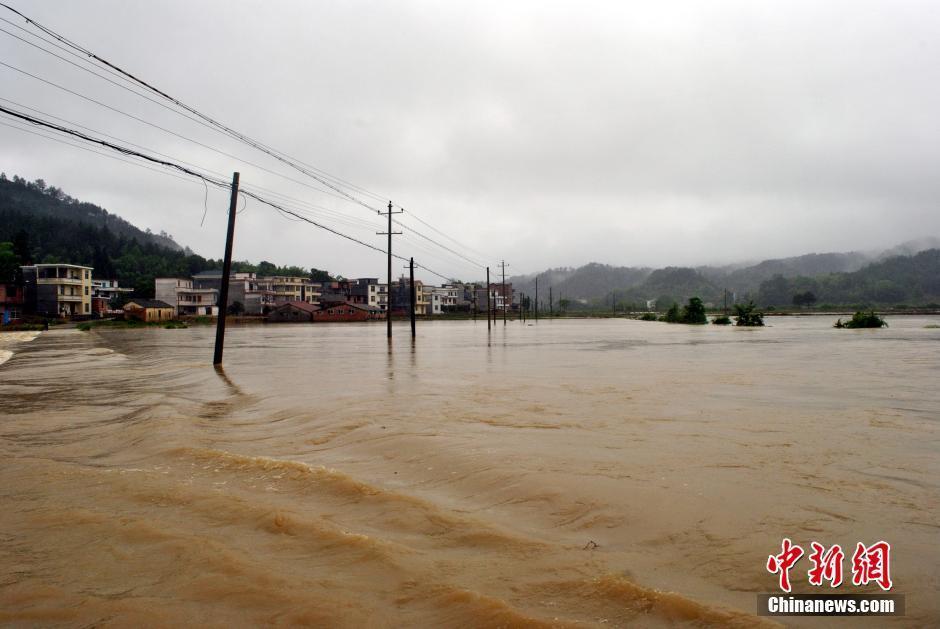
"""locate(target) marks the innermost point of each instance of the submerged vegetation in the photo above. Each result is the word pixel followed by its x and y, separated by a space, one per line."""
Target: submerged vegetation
pixel 648 316
pixel 722 320
pixel 692 313
pixel 862 320
pixel 747 317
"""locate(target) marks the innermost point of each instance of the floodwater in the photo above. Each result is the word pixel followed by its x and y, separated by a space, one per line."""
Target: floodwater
pixel 571 473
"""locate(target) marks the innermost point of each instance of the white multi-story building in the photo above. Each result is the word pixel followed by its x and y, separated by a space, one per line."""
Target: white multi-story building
pixel 187 300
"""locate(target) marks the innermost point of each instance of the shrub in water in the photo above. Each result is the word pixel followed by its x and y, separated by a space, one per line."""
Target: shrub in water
pixel 862 320
pixel 746 315
pixel 722 320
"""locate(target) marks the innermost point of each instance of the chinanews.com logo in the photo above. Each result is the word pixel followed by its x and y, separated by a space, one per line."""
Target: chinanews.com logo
pixel 870 564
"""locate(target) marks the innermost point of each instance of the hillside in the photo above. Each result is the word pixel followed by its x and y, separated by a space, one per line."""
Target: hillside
pixel 590 282
pixel 39 200
pixel 46 225
pixel 770 282
pixel 910 280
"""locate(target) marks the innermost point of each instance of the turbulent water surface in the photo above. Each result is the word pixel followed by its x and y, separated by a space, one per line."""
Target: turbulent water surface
pixel 589 473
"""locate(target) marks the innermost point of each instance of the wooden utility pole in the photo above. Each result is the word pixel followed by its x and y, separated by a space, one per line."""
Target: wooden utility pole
pixel 489 325
pixel 226 271
pixel 503 264
pixel 413 298
pixel 389 233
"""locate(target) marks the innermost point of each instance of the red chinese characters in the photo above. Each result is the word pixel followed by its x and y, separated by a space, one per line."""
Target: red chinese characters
pixel 827 565
pixel 872 563
pixel 782 563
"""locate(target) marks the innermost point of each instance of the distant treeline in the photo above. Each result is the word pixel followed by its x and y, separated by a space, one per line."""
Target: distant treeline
pixel 900 280
pixel 44 225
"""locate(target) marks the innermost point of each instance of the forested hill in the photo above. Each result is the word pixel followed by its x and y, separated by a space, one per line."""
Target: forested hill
pixel 46 225
pixel 38 200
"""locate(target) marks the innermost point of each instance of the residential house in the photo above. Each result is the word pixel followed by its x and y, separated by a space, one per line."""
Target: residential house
pixel 293 312
pixel 57 290
pixel 149 310
pixel 187 299
pixel 368 291
pixel 346 311
pixel 11 303
pixel 104 292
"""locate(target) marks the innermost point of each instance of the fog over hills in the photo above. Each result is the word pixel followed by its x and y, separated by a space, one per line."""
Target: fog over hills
pixel 596 281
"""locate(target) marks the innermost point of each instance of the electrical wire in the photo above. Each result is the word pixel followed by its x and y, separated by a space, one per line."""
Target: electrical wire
pixel 313 172
pixel 205 178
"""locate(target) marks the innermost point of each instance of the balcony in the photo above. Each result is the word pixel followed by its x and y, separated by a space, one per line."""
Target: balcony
pixel 69 298
pixel 76 281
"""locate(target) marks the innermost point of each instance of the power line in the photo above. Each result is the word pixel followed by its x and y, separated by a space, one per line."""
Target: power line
pixel 205 120
pixel 205 178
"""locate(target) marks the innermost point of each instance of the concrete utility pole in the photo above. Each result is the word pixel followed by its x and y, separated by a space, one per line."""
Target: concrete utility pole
pixel 551 306
pixel 413 297
pixel 536 298
pixel 226 271
pixel 489 325
pixel 503 264
pixel 389 233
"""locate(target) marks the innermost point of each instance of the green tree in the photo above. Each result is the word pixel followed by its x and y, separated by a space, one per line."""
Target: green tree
pixel 9 263
pixel 236 308
pixel 563 304
pixel 807 298
pixel 746 315
pixel 672 315
pixel 694 312
pixel 316 275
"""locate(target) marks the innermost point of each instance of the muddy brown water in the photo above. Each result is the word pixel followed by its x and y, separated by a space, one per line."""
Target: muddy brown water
pixel 570 473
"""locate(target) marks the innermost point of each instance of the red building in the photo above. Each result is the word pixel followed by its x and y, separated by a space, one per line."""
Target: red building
pixel 11 303
pixel 293 312
pixel 346 311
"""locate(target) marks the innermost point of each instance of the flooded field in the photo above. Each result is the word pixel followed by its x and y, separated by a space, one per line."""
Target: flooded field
pixel 570 473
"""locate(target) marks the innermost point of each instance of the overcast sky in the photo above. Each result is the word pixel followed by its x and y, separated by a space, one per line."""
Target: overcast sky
pixel 546 133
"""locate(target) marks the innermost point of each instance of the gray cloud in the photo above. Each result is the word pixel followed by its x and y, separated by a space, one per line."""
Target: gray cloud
pixel 546 133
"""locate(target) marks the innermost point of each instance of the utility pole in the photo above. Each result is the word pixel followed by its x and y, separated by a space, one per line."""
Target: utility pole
pixel 226 271
pixel 488 323
pixel 726 301
pixel 413 298
pixel 503 264
pixel 551 306
pixel 389 233
pixel 536 298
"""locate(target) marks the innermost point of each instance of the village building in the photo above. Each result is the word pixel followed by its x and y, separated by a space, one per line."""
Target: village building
pixel 293 312
pixel 104 293
pixel 188 300
pixel 346 311
pixel 149 310
pixel 11 303
pixel 57 290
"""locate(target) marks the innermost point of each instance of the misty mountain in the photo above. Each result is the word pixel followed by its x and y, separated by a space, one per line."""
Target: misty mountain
pixel 37 200
pixel 589 282
pixel 905 279
pixel 596 283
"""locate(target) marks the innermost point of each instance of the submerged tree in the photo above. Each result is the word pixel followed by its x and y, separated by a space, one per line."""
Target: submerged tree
pixel 672 315
pixel 745 315
pixel 694 312
pixel 862 320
